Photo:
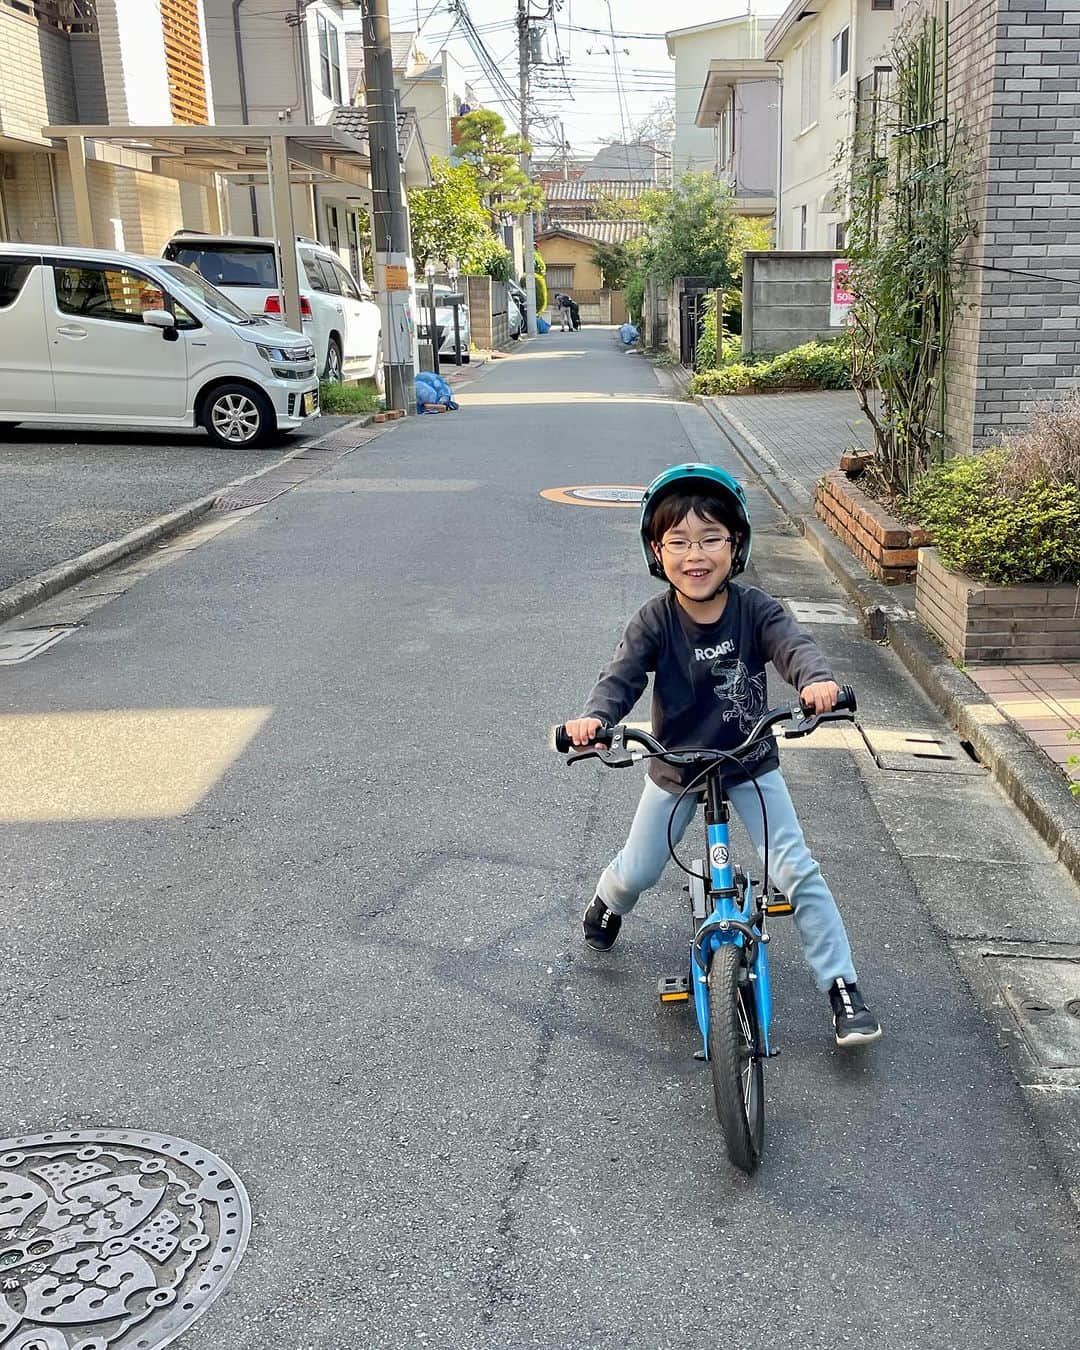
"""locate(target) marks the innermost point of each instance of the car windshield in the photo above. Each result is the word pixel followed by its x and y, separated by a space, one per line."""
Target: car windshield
pixel 223 263
pixel 194 287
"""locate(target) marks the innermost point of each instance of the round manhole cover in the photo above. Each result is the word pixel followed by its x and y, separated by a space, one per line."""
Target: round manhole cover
pixel 113 1239
pixel 597 494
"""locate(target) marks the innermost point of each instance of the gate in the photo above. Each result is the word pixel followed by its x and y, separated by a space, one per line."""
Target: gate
pixel 692 294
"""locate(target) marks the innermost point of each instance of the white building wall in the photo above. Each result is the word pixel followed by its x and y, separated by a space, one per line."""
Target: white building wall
pixel 813 128
pixel 740 39
pixel 36 84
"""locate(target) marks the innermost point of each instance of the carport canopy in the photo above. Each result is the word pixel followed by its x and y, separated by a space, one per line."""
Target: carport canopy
pixel 276 155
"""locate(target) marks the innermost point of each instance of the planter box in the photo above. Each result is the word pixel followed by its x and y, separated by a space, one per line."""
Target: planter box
pixel 1005 625
pixel 886 547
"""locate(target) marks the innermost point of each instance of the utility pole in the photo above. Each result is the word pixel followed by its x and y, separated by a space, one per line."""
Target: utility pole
pixel 526 165
pixel 389 215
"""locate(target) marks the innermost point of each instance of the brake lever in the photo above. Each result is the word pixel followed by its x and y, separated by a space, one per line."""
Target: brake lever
pixel 617 756
pixel 805 723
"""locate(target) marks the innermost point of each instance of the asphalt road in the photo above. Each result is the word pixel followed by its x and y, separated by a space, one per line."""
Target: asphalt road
pixel 349 960
pixel 65 491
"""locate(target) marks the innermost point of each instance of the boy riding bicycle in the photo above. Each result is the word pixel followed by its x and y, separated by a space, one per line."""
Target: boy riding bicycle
pixel 707 642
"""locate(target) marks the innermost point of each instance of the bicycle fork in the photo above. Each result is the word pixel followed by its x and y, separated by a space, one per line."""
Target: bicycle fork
pixel 730 892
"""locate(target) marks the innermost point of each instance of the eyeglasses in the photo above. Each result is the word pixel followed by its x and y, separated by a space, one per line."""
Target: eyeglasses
pixel 711 543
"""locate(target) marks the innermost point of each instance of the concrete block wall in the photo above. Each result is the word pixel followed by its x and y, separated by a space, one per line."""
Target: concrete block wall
pixel 1015 81
pixel 786 299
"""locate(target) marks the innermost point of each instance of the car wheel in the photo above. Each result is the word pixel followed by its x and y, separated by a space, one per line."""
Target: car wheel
pixel 332 372
pixel 238 416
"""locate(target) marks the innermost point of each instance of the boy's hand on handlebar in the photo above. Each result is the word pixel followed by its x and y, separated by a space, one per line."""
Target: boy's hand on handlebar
pixel 581 730
pixel 820 697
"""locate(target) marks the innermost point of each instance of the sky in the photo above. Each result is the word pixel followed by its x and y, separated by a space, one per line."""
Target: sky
pixel 584 93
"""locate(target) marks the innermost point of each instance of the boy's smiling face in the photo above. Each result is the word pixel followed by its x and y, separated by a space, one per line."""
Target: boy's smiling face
pixel 695 555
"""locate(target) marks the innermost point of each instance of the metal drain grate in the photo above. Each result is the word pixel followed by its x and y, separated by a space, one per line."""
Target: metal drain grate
pixel 919 752
pixel 1041 992
pixel 819 611
pixel 21 644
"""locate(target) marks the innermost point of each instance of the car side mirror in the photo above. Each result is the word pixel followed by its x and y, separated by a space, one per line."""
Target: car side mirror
pixel 158 318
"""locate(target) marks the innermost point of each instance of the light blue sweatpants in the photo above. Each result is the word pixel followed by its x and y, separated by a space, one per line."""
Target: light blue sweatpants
pixel 641 861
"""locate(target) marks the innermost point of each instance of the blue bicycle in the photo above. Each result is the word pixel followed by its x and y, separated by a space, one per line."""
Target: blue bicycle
pixel 728 975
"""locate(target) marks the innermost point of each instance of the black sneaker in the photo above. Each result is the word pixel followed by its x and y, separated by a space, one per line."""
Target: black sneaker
pixel 855 1024
pixel 601 925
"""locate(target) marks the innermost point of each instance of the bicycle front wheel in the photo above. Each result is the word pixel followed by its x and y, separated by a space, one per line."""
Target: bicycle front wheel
pixel 738 1080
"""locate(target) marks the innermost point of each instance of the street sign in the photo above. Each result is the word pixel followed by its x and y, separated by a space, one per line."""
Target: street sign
pixel 396 278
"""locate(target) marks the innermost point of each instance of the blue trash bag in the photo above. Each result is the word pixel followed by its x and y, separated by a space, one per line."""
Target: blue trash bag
pixel 432 388
pixel 628 333
pixel 542 325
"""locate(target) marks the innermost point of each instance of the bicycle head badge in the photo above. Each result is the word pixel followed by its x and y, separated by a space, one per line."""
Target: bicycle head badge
pixel 706 480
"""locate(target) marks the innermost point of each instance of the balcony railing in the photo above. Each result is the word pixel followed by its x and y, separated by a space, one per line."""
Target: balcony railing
pixel 69 16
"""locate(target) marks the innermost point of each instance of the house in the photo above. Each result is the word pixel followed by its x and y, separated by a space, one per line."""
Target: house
pixel 286 68
pixel 830 51
pixel 725 113
pixel 586 199
pixel 638 161
pixel 72 62
pixel 569 251
pixel 436 91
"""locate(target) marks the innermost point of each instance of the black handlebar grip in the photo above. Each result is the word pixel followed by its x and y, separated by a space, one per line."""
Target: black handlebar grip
pixel 564 744
pixel 846 701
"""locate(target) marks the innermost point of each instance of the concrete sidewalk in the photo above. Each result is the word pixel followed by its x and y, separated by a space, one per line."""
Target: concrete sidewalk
pixel 1017 718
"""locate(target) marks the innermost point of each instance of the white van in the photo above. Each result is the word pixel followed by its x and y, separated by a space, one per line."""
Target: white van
pixel 93 337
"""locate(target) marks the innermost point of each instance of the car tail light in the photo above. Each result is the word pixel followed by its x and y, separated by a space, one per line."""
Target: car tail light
pixel 273 306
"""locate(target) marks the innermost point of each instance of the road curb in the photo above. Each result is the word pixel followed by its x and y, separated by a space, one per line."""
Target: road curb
pixel 24 595
pixel 1034 785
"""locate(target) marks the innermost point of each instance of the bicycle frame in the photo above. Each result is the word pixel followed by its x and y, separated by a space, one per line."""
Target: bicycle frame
pixel 732 918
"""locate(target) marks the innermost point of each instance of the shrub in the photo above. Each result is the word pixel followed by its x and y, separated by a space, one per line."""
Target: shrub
pixel 999 526
pixel 635 297
pixel 355 399
pixel 814 365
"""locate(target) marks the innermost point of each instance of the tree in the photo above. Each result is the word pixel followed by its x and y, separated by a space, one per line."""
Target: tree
pixel 690 231
pixel 614 206
pixel 616 262
pixel 448 219
pixel 492 152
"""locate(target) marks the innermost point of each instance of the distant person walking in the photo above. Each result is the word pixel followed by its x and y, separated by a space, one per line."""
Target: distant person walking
pixel 563 304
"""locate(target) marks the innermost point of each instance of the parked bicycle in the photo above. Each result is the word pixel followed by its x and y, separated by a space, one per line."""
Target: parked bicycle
pixel 728 974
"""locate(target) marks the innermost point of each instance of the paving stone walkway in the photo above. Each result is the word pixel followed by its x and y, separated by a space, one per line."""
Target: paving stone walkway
pixel 801 436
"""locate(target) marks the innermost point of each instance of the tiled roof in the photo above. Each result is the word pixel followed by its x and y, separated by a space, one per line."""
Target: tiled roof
pixel 583 190
pixel 354 121
pixel 600 231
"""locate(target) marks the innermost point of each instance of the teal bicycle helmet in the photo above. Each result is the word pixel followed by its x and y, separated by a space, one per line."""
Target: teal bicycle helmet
pixel 711 481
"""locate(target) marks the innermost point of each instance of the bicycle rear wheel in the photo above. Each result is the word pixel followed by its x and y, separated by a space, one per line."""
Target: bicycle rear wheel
pixel 738 1080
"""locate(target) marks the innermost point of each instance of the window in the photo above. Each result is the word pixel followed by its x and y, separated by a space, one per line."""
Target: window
pixel 881 4
pixel 839 231
pixel 329 58
pixel 559 278
pixel 345 281
pixel 113 293
pixel 223 263
pixel 13 274
pixel 313 269
pixel 799 222
pixel 808 83
pixel 840 54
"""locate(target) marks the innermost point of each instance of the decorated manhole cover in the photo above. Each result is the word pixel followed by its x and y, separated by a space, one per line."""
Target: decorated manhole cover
pixel 113 1239
pixel 597 494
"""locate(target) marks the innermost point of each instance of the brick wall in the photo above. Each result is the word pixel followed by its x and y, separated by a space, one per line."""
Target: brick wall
pixel 1015 80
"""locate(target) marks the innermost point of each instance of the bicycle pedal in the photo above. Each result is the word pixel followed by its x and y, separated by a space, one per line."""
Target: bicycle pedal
pixel 673 988
pixel 778 903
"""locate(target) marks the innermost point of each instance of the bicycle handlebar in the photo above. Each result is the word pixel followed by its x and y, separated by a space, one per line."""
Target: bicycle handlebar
pixel 803 724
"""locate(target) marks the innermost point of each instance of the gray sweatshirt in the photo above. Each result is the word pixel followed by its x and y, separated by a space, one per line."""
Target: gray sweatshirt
pixel 709 685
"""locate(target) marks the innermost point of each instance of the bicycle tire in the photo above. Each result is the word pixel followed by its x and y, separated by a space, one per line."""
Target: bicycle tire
pixel 738 1080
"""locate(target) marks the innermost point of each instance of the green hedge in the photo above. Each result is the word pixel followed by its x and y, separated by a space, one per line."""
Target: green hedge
pixel 1000 537
pixel 814 365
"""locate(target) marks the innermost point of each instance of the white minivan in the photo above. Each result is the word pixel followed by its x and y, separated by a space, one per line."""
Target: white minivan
pixel 94 337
